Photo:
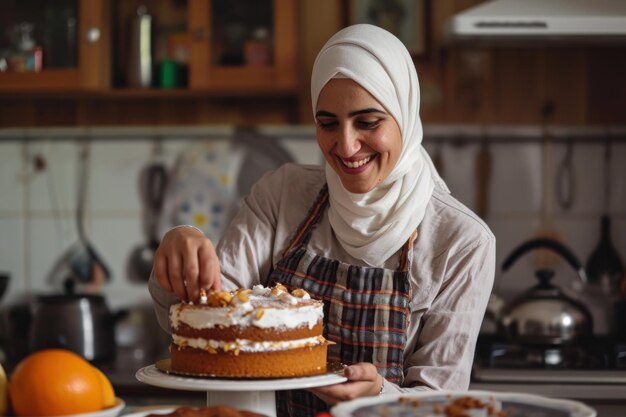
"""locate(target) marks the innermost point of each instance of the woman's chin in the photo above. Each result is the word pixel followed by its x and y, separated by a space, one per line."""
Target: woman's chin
pixel 358 180
pixel 357 187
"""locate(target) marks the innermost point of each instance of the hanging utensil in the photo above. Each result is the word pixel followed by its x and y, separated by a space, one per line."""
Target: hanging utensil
pixel 604 266
pixel 546 258
pixel 565 179
pixel 81 263
pixel 152 184
pixel 87 265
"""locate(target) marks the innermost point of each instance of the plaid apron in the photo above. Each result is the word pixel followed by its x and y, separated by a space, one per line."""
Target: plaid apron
pixel 366 310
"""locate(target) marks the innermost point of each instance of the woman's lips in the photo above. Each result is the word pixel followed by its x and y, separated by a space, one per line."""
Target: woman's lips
pixel 356 166
pixel 357 163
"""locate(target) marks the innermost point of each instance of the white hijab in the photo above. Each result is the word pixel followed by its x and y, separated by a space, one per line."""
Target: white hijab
pixel 373 226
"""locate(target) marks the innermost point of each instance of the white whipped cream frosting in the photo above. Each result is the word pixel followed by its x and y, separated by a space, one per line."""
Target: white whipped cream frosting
pixel 245 345
pixel 263 309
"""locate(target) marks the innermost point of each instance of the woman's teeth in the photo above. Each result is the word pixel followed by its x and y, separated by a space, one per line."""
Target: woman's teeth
pixel 356 164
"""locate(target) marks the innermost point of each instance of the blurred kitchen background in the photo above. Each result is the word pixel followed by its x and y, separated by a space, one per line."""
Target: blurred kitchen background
pixel 122 118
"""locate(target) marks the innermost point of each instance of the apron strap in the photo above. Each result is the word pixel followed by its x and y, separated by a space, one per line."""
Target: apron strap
pixel 405 259
pixel 315 213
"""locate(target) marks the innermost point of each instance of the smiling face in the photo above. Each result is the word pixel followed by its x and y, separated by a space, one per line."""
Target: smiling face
pixel 360 140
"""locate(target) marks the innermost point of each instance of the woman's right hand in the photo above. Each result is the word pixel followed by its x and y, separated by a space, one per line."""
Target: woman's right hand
pixel 185 262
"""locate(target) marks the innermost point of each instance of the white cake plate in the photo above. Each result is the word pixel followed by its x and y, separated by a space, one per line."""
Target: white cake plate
pixel 251 394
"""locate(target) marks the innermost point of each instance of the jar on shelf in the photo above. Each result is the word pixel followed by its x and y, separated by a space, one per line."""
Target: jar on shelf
pixel 27 56
pixel 257 50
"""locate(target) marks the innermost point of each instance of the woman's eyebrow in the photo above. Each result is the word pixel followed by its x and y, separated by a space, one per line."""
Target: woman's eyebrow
pixel 364 111
pixel 324 113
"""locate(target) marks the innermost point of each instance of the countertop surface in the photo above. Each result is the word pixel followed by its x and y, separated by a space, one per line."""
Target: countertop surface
pixel 576 391
pixel 608 399
pixel 121 372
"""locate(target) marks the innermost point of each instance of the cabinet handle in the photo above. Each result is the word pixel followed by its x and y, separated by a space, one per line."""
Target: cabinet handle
pixel 93 35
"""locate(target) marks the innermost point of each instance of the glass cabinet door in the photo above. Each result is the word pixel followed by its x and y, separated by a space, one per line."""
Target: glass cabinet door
pixel 52 44
pixel 38 34
pixel 241 33
pixel 243 44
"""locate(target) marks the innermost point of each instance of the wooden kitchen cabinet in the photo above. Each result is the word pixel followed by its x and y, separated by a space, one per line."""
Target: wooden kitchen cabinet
pixel 220 47
pixel 243 45
pixel 261 87
pixel 235 47
pixel 73 37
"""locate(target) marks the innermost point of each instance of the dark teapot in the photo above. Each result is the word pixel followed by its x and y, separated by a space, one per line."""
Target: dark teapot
pixel 544 314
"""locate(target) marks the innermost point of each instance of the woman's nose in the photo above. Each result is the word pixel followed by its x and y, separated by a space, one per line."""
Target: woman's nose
pixel 348 142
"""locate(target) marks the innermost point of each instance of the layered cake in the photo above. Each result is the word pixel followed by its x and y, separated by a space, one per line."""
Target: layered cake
pixel 260 332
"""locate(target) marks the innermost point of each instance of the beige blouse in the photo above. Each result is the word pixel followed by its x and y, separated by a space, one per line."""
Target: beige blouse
pixel 452 270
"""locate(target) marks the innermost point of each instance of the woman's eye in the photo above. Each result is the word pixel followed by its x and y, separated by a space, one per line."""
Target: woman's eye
pixel 327 124
pixel 368 124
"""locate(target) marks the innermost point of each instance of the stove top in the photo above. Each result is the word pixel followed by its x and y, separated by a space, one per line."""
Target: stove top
pixel 597 359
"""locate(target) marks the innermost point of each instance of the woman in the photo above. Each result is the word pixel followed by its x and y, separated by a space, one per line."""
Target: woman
pixel 375 234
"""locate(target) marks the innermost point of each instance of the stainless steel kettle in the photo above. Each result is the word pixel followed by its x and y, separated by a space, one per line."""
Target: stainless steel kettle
pixel 81 323
pixel 544 314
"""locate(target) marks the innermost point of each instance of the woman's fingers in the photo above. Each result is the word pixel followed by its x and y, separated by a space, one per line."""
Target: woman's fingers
pixel 191 275
pixel 176 278
pixel 361 371
pixel 363 380
pixel 160 272
pixel 186 262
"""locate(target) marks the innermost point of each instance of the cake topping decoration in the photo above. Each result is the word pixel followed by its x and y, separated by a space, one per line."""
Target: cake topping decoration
pixel 241 301
pixel 203 297
pixel 300 293
pixel 219 299
pixel 278 290
pixel 260 290
pixel 290 299
pixel 242 296
pixel 242 307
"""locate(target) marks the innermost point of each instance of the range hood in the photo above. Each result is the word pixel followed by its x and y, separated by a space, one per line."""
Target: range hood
pixel 559 20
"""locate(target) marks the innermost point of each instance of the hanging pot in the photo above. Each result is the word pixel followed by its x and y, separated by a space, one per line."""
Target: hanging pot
pixel 544 314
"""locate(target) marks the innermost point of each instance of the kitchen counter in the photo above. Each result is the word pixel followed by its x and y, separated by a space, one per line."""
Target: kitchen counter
pixel 608 399
pixel 581 392
pixel 121 372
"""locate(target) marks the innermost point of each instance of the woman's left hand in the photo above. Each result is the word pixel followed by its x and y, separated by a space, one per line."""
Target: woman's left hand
pixel 363 381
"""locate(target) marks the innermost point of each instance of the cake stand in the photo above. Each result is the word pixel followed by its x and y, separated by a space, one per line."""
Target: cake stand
pixel 251 394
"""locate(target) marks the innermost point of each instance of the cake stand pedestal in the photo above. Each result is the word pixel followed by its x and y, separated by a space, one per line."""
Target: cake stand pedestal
pixel 256 395
pixel 262 402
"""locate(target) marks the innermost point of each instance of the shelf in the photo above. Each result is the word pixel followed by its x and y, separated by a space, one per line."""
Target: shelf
pixel 147 93
pixel 103 39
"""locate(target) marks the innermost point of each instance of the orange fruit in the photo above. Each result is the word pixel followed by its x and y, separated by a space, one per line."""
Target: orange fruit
pixel 56 382
pixel 108 394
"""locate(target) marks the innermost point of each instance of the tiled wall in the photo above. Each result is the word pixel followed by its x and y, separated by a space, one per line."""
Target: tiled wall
pixel 37 208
